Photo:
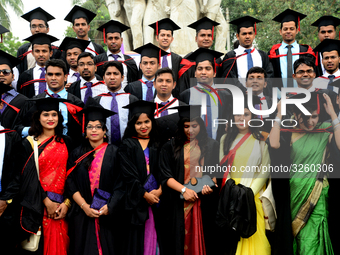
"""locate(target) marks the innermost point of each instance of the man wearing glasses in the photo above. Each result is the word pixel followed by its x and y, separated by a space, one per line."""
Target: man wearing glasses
pixel 38 19
pixel 88 85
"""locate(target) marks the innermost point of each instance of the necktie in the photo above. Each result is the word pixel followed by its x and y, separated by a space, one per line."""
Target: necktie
pixel 115 127
pixel 208 117
pixel 258 107
pixel 290 67
pixel 149 92
pixel 331 78
pixel 165 61
pixel 249 59
pixel 77 75
pixel 165 112
pixel 4 105
pixel 55 95
pixel 88 92
pixel 42 85
pixel 115 56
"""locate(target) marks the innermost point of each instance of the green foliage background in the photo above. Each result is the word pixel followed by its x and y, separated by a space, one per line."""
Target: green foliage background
pixel 268 31
pixel 10 44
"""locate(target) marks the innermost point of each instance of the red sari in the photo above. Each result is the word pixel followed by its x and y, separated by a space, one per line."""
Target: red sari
pixel 52 170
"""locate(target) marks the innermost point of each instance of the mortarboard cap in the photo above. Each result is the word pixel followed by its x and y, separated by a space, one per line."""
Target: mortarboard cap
pixel 328 45
pixel 37 13
pixel 150 50
pixel 94 111
pixel 8 59
pixel 326 21
pixel 48 103
pixel 3 30
pixel 112 26
pixel 70 43
pixel 188 111
pixel 166 24
pixel 203 23
pixel 78 12
pixel 41 38
pixel 141 106
pixel 202 54
pixel 290 15
pixel 4 88
pixel 246 21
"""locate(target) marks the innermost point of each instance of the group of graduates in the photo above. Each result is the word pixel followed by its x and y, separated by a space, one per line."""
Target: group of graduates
pixel 101 156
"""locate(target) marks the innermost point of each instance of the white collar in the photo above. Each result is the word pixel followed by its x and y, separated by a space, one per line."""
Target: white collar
pixel 82 81
pixel 157 100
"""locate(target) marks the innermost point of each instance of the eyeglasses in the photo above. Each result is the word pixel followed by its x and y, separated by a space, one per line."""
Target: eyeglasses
pixel 301 72
pixel 6 72
pixel 84 64
pixel 39 26
pixel 97 127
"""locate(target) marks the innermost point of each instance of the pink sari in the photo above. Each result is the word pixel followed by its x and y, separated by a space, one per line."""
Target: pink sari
pixel 94 174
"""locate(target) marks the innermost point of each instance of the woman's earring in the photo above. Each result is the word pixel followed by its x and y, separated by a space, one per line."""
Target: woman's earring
pixel 86 137
pixel 105 136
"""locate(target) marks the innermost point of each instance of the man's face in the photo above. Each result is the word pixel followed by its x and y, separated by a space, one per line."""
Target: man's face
pixel 114 42
pixel 72 56
pixel 330 61
pixel 149 67
pixel 205 72
pixel 113 78
pixel 87 68
pixel 246 37
pixel 81 28
pixel 41 53
pixel 55 78
pixel 164 84
pixel 304 76
pixel 326 32
pixel 257 82
pixel 38 26
pixel 288 32
pixel 204 38
pixel 6 79
pixel 164 39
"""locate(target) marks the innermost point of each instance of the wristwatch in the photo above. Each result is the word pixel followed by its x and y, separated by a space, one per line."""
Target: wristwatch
pixel 9 201
pixel 183 190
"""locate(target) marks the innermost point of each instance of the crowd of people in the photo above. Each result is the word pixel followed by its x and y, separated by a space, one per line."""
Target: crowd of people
pixel 99 155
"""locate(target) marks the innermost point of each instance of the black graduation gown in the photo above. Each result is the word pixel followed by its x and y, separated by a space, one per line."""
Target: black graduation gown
pixel 135 88
pixel 133 167
pixel 268 124
pixel 132 70
pixel 176 64
pixel 27 90
pixel 305 49
pixel 82 231
pixel 97 48
pixel 9 114
pixel 224 112
pixel 167 125
pixel 171 206
pixel 229 70
pixel 10 184
pixel 24 118
pixel 31 192
pixel 24 48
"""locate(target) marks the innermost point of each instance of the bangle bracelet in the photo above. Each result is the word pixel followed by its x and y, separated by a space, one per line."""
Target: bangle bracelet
pixel 81 207
pixel 335 122
pixel 67 202
pixel 336 128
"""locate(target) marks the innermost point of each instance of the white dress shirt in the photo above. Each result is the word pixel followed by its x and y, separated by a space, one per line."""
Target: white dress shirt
pixel 71 77
pixel 36 75
pixel 322 81
pixel 170 111
pixel 120 58
pixel 96 90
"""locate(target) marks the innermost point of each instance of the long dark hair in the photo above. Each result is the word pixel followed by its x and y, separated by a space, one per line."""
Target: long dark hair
pixel 181 137
pixel 86 146
pixel 36 128
pixel 310 108
pixel 233 132
pixel 130 130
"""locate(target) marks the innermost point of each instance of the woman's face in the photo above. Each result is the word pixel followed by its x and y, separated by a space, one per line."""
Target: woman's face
pixel 49 120
pixel 311 121
pixel 94 131
pixel 143 126
pixel 191 129
pixel 243 118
